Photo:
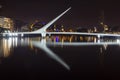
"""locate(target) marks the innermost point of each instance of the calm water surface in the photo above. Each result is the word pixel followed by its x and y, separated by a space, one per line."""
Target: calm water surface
pixel 60 57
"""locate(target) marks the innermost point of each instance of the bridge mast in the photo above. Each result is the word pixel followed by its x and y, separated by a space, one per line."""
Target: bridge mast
pixel 43 29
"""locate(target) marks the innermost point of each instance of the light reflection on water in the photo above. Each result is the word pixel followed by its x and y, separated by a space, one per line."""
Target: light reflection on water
pixel 7 45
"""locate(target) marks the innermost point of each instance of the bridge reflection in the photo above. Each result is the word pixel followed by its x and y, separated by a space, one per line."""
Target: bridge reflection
pixel 10 43
pixel 7 45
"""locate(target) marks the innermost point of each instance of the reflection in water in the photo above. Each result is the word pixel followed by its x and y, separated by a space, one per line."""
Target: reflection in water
pixel 104 44
pixel 8 44
pixel 13 42
pixel 101 56
pixel 42 45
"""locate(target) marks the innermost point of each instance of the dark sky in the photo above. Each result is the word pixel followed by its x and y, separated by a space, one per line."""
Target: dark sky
pixel 83 12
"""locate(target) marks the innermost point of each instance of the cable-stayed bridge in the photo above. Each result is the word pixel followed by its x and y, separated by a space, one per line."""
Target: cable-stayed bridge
pixel 43 33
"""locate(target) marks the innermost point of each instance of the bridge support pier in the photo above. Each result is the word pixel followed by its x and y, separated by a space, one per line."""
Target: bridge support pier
pixel 43 35
pixel 22 35
pixel 98 36
pixel 49 35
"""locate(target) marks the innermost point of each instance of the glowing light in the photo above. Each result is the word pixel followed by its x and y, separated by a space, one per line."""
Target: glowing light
pixel 15 34
pixel 22 35
pixel 57 39
pixel 101 23
pixel 82 43
pixel 6 46
pixel 70 40
pixel 105 46
pixel 95 40
pixel 16 41
pixel 118 41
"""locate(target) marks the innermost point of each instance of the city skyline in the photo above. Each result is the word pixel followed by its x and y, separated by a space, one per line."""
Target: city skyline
pixel 83 13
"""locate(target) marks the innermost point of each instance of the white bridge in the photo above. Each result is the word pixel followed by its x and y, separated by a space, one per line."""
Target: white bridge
pixel 43 32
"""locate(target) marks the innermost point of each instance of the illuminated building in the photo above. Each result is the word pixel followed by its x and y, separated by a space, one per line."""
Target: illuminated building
pixel 95 29
pixel 102 22
pixel 54 28
pixel 6 23
pixel 58 28
pixel 36 25
pixel 62 28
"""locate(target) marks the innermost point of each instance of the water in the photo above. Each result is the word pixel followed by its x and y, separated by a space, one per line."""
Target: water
pixel 60 57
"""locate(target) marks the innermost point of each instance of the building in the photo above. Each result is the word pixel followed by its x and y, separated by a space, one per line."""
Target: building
pixel 102 23
pixel 56 28
pixel 6 23
pixel 36 25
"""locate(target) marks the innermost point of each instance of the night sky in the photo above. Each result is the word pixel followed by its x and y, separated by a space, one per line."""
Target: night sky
pixel 83 12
